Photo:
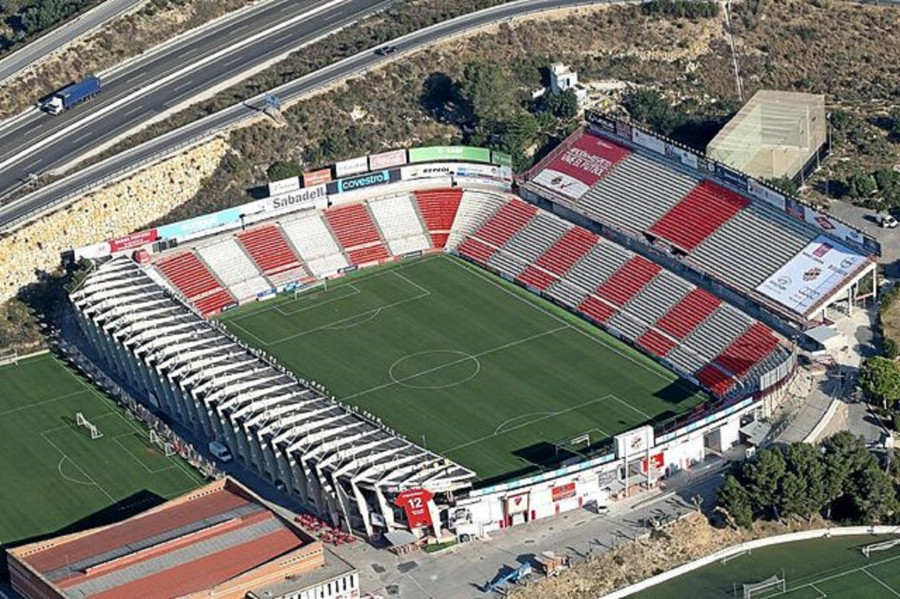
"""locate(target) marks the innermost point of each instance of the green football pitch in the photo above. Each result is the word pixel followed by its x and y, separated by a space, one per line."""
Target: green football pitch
pixel 53 477
pixel 815 569
pixel 465 363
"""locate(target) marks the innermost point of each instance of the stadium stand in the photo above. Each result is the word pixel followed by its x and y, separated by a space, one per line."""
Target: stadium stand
pixel 273 255
pixel 191 277
pixel 656 188
pixel 357 233
pixel 234 268
pixel 315 243
pixel 438 209
pixel 396 217
pixel 475 208
pixel 706 208
pixel 638 300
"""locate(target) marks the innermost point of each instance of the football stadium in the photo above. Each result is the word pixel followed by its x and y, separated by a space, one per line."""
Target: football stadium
pixel 422 340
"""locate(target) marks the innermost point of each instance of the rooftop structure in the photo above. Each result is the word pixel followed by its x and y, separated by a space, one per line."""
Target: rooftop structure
pixel 219 540
pixel 774 135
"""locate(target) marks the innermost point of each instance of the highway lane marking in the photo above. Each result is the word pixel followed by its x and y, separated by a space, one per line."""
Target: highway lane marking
pixel 242 27
pixel 183 85
pixel 133 110
pixel 232 60
pixel 30 166
pixel 82 136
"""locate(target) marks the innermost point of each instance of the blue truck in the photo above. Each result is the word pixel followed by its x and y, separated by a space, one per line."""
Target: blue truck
pixel 71 95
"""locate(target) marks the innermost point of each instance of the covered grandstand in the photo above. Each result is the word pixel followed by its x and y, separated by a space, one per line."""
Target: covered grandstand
pixel 773 135
pixel 683 210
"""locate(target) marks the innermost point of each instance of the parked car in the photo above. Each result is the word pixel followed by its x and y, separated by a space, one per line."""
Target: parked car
pixel 886 221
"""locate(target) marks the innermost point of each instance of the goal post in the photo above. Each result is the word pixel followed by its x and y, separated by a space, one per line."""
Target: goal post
pixel 168 449
pixel 83 422
pixel 763 588
pixel 9 356
pixel 302 289
pixel 880 546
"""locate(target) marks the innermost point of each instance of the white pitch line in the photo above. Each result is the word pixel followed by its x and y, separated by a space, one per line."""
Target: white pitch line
pixel 881 582
pixel 628 405
pixel 40 403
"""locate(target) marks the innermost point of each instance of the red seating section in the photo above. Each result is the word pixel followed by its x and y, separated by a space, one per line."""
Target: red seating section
pixel 367 254
pixel 508 221
pixel 537 278
pixel 748 349
pixel 698 215
pixel 352 225
pixel 472 248
pixel 269 249
pixel 626 282
pixel 189 274
pixel 194 280
pixel 690 311
pixel 655 343
pixel 570 248
pixel 715 380
pixel 596 309
pixel 438 208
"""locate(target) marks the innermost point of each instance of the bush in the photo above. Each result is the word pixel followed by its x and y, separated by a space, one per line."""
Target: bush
pixel 889 349
pixel 283 170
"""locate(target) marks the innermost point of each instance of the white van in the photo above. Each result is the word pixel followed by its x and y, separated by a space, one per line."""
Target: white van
pixel 220 451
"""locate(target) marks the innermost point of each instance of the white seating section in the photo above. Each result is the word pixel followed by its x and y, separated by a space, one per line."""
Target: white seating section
pixel 234 268
pixel 474 210
pixel 316 245
pixel 400 225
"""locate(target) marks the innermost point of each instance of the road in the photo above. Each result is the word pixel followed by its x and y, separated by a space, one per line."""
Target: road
pixel 37 142
pixel 51 195
pixel 64 34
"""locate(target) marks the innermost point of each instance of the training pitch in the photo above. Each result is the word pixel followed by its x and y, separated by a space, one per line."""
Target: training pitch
pixel 833 567
pixel 464 363
pixel 53 477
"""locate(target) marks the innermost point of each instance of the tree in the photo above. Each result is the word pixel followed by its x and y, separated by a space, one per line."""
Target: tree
pixel 734 500
pixel 895 123
pixel 438 92
pixel 872 494
pixel 807 464
pixel 785 184
pixel 563 105
pixel 762 476
pixel 888 183
pixel 652 108
pixel 879 377
pixel 861 185
pixel 488 92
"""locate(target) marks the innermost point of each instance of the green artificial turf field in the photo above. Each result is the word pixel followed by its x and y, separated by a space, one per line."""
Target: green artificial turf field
pixel 465 363
pixel 53 476
pixel 834 567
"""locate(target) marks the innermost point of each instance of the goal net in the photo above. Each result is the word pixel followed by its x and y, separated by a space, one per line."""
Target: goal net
pixel 882 546
pixel 765 587
pixel 322 286
pixel 167 448
pixel 83 422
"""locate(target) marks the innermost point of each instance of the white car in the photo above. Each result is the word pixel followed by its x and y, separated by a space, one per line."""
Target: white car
pixel 886 221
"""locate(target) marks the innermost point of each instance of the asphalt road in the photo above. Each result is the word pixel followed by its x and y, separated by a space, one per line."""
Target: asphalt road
pixel 37 142
pixel 62 35
pixel 52 194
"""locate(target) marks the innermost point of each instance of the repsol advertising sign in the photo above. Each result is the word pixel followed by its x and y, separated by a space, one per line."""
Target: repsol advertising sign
pixel 295 200
pixel 363 181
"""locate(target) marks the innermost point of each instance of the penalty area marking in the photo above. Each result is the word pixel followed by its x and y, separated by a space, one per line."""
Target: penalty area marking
pixel 402 381
pixel 66 477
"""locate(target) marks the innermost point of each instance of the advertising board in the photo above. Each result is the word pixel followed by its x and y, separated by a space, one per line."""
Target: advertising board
pixel 603 122
pixel 202 225
pixel 831 226
pixel 574 171
pixel 415 503
pixel 455 169
pixel 284 185
pixel 765 194
pixel 635 441
pixel 353 166
pixel 132 241
pixel 810 276
pixel 93 251
pixel 872 245
pixel 501 158
pixel 517 504
pixel 387 159
pixel 563 491
pixel 683 156
pixel 795 209
pixel 623 129
pixel 731 176
pixel 297 200
pixel 436 153
pixel 316 177
pixel 363 181
pixel 656 461
pixel 651 142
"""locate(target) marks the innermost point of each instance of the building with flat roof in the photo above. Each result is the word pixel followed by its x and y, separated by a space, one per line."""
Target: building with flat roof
pixel 774 135
pixel 218 541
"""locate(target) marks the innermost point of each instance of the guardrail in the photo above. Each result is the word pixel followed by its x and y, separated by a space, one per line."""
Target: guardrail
pixel 509 11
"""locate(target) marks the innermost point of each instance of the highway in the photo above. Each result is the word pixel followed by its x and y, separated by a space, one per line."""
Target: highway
pixel 54 194
pixel 53 40
pixel 35 142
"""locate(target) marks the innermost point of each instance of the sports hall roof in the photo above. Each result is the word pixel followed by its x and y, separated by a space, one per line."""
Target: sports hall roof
pixel 195 542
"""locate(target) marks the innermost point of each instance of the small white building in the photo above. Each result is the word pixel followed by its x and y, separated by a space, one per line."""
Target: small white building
pixel 563 78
